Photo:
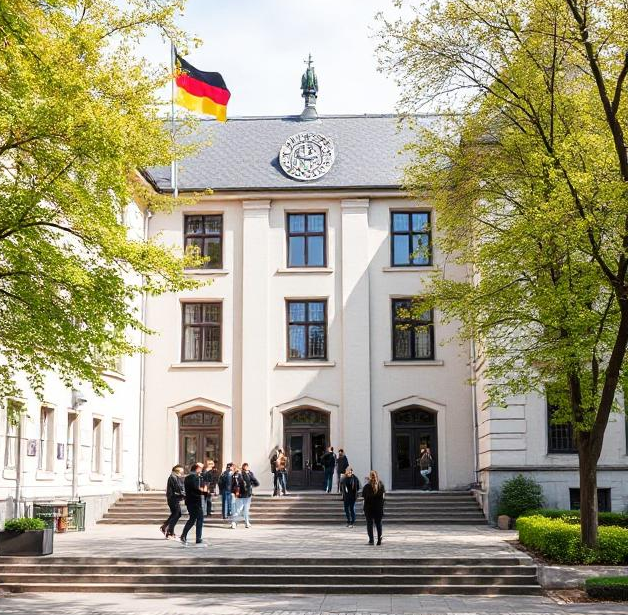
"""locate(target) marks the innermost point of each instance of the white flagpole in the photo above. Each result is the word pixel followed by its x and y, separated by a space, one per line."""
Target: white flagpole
pixel 174 169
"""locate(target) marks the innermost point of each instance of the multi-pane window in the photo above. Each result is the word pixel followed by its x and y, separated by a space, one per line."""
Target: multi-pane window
pixel 116 448
pixel 70 453
pixel 205 232
pixel 10 445
pixel 307 330
pixel 410 238
pixel 603 499
pixel 306 240
pixel 413 336
pixel 96 445
pixel 560 438
pixel 201 331
pixel 46 439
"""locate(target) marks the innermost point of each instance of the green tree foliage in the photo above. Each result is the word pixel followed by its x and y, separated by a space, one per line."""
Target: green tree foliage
pixel 528 173
pixel 78 117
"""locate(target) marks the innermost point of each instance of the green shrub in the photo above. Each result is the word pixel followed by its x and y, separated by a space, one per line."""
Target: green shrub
pixel 573 516
pixel 24 524
pixel 559 541
pixel 609 588
pixel 518 495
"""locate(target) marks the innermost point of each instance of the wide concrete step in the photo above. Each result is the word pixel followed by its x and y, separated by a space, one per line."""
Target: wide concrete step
pixel 302 514
pixel 145 506
pixel 215 522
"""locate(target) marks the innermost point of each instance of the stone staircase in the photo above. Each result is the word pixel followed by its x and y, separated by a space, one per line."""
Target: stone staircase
pixel 434 575
pixel 312 508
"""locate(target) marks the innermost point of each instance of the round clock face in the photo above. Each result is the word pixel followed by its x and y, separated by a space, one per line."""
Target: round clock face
pixel 307 155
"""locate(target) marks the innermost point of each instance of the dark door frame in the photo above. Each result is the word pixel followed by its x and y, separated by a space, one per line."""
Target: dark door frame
pixel 200 423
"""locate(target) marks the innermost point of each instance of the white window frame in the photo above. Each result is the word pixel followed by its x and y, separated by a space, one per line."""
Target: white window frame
pixel 97 440
pixel 116 446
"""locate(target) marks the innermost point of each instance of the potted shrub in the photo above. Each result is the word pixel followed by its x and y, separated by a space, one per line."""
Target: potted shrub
pixel 25 536
pixel 518 495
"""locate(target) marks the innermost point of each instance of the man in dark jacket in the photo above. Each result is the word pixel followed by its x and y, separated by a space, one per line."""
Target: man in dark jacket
pixel 195 491
pixel 224 488
pixel 349 487
pixel 329 463
pixel 242 488
pixel 175 492
pixel 342 463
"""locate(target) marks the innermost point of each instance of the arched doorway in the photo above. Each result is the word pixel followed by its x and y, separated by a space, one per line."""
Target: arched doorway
pixel 306 437
pixel 413 429
pixel 200 437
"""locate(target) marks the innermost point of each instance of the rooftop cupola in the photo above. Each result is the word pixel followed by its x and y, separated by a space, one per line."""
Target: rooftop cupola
pixel 309 91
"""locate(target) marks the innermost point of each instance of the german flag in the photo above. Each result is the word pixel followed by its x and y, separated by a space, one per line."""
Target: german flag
pixel 201 91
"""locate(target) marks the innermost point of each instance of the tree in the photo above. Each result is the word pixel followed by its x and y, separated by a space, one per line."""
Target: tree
pixel 78 117
pixel 529 178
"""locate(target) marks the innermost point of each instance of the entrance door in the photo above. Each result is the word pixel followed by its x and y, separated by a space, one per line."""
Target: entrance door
pixel 413 430
pixel 306 437
pixel 200 438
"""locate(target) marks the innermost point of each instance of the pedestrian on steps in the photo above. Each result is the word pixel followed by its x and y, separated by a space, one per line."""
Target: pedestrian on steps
pixel 272 458
pixel 342 463
pixel 329 463
pixel 281 472
pixel 194 493
pixel 175 493
pixel 242 489
pixel 210 479
pixel 224 488
pixel 373 494
pixel 349 488
pixel 426 462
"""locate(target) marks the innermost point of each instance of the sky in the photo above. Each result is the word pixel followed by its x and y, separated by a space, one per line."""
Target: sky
pixel 259 47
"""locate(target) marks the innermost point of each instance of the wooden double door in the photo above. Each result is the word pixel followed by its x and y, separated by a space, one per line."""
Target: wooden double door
pixel 413 430
pixel 200 438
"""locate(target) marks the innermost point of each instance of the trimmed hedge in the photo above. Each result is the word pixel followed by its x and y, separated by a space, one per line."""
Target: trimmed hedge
pixel 608 588
pixel 24 524
pixel 573 516
pixel 559 541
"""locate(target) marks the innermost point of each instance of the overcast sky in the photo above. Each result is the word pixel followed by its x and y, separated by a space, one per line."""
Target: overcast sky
pixel 259 47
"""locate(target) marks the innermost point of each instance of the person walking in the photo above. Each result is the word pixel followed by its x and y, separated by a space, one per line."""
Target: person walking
pixel 194 493
pixel 349 487
pixel 175 493
pixel 342 463
pixel 243 483
pixel 210 479
pixel 224 488
pixel 373 494
pixel 281 472
pixel 329 463
pixel 426 461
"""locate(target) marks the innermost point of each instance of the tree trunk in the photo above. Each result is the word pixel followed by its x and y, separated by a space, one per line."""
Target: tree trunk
pixel 588 495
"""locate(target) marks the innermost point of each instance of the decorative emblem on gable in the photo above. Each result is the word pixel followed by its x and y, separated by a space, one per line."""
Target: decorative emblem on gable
pixel 307 155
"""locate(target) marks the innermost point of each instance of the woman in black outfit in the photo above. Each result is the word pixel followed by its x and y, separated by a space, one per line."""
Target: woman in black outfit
pixel 175 492
pixel 373 494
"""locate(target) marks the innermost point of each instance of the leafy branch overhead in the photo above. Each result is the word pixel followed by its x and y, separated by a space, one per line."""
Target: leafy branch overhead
pixel 78 117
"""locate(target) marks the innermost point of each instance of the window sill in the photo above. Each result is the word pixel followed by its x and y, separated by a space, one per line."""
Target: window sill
pixel 111 373
pixel 413 269
pixel 207 271
pixel 427 363
pixel 301 364
pixel 96 477
pixel 117 476
pixel 199 365
pixel 9 473
pixel 44 475
pixel 306 270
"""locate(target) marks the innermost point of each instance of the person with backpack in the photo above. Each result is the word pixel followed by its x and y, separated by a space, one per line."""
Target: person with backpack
pixel 425 466
pixel 175 493
pixel 349 487
pixel 224 488
pixel 329 463
pixel 342 463
pixel 195 491
pixel 242 489
pixel 373 494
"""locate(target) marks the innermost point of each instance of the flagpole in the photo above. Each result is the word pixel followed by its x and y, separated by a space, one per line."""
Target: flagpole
pixel 174 169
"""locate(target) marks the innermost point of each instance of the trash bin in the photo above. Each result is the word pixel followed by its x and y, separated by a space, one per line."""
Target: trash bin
pixel 54 514
pixel 76 516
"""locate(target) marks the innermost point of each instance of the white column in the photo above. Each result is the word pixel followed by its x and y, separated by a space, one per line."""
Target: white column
pixel 255 418
pixel 356 383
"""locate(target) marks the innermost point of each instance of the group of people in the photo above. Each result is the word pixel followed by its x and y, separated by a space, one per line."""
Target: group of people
pixel 235 486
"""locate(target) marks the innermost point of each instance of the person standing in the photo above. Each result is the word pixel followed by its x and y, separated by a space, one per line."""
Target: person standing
pixel 273 469
pixel 342 463
pixel 425 465
pixel 329 463
pixel 243 483
pixel 224 488
pixel 281 472
pixel 209 478
pixel 373 494
pixel 349 487
pixel 194 493
pixel 175 493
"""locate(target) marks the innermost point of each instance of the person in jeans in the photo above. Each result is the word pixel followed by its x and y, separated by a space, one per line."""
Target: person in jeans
pixel 175 493
pixel 349 487
pixel 281 472
pixel 425 465
pixel 329 463
pixel 342 463
pixel 224 488
pixel 210 479
pixel 243 483
pixel 273 469
pixel 194 493
pixel 373 494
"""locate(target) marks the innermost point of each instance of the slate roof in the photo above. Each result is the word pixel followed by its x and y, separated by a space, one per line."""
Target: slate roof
pixel 244 154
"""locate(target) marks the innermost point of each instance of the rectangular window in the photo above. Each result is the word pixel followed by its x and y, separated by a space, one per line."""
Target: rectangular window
pixel 116 448
pixel 46 439
pixel 411 242
pixel 306 240
pixel 96 446
pixel 205 232
pixel 307 330
pixel 11 445
pixel 202 324
pixel 70 453
pixel 560 438
pixel 603 499
pixel 413 338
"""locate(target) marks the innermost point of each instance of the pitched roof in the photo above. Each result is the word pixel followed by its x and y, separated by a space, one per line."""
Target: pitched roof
pixel 243 154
